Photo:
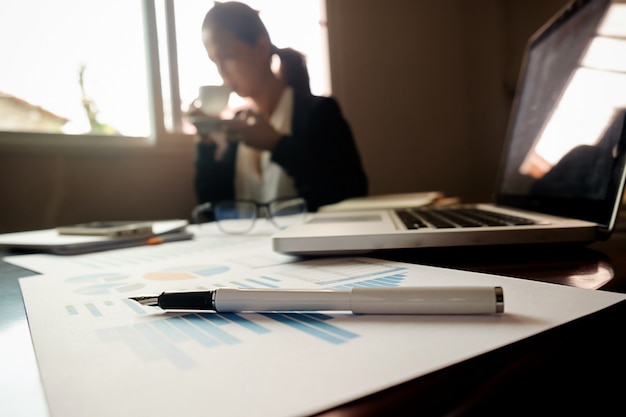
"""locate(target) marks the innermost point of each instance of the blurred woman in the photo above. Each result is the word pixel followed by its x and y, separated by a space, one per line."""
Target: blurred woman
pixel 289 143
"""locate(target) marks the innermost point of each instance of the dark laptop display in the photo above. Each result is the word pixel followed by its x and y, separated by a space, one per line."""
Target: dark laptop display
pixel 566 152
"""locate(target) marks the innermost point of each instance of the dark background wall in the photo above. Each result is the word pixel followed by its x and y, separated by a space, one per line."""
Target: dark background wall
pixel 426 85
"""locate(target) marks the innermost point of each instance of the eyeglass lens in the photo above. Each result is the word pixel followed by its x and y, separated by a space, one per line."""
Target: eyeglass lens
pixel 286 213
pixel 235 216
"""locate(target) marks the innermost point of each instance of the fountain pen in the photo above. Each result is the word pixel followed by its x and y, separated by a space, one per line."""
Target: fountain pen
pixel 358 300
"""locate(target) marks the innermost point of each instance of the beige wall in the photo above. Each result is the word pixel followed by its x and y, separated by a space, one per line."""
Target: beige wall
pixel 428 86
pixel 425 84
pixel 43 188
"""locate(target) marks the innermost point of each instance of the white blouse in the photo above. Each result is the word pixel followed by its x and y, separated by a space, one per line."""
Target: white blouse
pixel 256 176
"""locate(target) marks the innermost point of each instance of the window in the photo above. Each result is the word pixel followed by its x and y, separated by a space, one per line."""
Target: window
pixel 126 68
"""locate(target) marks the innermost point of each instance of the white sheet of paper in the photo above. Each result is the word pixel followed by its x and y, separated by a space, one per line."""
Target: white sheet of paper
pixel 100 354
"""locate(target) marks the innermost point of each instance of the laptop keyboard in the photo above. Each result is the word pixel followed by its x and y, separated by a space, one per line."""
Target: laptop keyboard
pixel 450 217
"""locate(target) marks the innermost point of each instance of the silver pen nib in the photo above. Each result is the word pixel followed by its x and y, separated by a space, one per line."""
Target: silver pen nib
pixel 147 300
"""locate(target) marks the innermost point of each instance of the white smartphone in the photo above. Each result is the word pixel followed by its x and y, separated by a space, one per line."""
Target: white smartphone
pixel 108 228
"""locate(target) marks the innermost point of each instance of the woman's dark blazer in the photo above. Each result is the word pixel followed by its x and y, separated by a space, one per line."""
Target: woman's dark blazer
pixel 320 155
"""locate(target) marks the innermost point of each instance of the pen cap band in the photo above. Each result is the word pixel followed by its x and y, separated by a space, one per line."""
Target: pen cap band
pixel 427 300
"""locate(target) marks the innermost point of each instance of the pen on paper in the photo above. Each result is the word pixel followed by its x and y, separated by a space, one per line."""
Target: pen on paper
pixel 360 300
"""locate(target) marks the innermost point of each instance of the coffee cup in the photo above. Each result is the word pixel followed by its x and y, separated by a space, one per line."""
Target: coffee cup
pixel 212 99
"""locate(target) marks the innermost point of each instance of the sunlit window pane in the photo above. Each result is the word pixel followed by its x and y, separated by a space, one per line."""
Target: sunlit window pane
pixel 73 66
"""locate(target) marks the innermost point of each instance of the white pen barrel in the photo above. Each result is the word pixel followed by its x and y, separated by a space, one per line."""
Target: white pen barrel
pixel 233 300
pixel 427 300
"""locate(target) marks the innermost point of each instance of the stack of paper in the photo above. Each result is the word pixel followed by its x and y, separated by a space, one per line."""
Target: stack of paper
pixel 100 354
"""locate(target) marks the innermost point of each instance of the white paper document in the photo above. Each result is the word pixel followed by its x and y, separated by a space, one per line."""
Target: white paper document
pixel 100 354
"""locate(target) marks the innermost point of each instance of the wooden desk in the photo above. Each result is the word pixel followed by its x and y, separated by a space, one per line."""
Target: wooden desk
pixel 576 369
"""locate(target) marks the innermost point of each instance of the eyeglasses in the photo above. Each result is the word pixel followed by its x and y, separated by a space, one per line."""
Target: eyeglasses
pixel 239 216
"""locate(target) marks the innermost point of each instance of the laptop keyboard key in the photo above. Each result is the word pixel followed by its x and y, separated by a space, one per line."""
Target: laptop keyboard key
pixel 410 220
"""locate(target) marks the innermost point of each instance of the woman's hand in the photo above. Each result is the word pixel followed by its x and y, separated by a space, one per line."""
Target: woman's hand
pixel 254 130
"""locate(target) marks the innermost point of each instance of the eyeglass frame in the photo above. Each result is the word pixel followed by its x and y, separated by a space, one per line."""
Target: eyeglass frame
pixel 208 206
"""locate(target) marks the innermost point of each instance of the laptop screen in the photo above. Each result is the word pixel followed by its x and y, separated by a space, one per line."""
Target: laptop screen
pixel 566 149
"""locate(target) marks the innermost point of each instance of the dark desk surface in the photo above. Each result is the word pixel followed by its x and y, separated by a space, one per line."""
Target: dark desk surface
pixel 577 368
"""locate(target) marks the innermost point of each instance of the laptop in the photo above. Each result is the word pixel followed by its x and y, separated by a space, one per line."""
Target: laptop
pixel 561 176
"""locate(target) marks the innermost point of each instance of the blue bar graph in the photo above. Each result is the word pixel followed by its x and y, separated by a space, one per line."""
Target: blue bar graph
pixel 262 284
pixel 142 347
pixel 93 310
pixel 243 322
pixel 169 350
pixel 259 282
pixel 194 332
pixel 370 276
pixel 313 326
pixel 133 306
pixel 386 281
pixel 270 279
pixel 165 339
pixel 212 329
pixel 169 331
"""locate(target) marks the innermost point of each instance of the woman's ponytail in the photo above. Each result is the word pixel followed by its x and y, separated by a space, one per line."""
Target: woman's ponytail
pixel 293 70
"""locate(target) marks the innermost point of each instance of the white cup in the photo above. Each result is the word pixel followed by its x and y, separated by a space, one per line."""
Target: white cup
pixel 213 99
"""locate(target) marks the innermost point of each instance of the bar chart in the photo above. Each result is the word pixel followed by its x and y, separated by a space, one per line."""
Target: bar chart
pixel 154 336
pixel 165 339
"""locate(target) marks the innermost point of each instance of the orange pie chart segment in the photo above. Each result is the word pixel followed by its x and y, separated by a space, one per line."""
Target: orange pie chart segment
pixel 186 273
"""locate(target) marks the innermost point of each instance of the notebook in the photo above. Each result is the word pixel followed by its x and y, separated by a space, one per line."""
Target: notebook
pixel 561 175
